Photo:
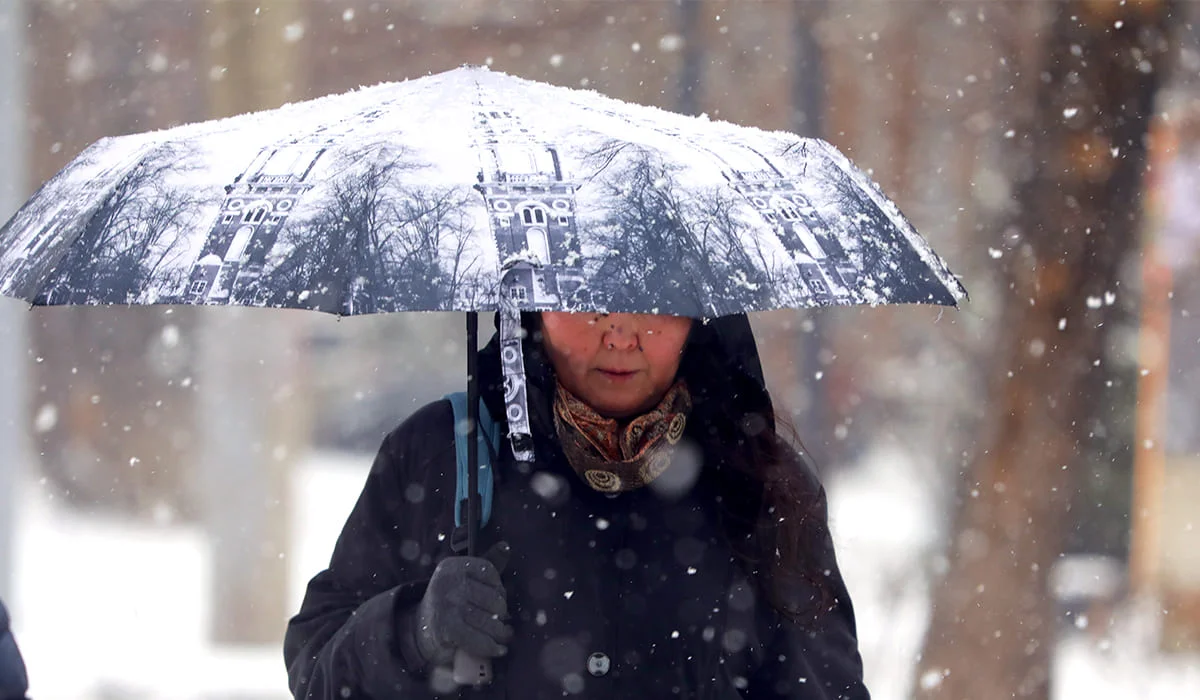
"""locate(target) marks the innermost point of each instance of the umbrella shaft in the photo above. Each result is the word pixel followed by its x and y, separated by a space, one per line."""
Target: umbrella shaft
pixel 472 426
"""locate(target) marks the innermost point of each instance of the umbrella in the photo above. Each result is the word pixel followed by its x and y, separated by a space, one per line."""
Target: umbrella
pixel 474 191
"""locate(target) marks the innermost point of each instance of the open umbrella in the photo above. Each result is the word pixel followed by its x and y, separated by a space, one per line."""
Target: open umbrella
pixel 469 190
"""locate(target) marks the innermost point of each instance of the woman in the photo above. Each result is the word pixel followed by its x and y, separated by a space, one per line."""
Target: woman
pixel 665 542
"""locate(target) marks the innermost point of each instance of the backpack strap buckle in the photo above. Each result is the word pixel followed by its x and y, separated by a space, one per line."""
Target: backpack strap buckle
pixel 459 537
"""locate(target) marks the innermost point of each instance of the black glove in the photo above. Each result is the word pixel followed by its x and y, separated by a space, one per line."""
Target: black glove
pixel 465 607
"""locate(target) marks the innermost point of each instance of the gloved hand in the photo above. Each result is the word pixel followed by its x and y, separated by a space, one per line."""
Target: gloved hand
pixel 465 607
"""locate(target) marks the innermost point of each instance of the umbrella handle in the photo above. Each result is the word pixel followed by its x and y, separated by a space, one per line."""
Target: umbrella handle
pixel 469 670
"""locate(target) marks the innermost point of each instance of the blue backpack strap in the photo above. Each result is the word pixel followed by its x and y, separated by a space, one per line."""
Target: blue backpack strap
pixel 488 436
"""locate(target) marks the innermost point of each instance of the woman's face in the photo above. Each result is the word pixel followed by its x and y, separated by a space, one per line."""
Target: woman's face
pixel 619 364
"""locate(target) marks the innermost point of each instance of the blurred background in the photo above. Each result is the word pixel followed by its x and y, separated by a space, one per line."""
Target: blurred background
pixel 1013 485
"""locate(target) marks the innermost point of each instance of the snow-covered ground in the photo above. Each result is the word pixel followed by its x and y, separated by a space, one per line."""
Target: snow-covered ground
pixel 884 529
pixel 105 609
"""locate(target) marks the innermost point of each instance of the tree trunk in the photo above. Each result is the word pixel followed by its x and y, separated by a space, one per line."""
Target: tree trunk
pixel 994 624
pixel 806 398
pixel 253 417
pixel 14 454
pixel 112 420
pixel 253 408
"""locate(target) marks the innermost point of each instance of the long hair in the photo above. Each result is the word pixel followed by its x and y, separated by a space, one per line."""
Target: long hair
pixel 772 507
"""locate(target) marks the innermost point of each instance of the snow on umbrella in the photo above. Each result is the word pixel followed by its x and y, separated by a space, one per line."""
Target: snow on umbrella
pixel 469 190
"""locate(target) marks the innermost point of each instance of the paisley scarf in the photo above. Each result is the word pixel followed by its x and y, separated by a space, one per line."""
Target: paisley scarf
pixel 612 458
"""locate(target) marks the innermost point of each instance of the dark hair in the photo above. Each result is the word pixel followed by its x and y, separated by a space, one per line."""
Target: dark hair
pixel 772 508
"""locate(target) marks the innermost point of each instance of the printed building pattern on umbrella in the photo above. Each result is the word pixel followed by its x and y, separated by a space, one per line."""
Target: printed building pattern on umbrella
pixel 827 270
pixel 22 270
pixel 254 211
pixel 31 264
pixel 251 217
pixel 531 210
pixel 822 261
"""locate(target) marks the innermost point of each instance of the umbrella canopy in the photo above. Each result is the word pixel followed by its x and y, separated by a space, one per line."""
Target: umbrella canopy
pixel 469 190
pixel 459 191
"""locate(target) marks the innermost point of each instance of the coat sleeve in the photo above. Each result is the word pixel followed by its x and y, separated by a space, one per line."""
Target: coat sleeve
pixel 346 640
pixel 816 657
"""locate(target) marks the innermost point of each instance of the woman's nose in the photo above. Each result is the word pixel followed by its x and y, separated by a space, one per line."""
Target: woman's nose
pixel 622 333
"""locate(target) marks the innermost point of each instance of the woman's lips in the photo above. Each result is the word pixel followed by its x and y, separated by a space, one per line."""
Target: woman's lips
pixel 618 374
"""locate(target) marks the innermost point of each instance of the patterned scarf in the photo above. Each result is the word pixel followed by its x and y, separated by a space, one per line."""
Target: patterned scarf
pixel 614 459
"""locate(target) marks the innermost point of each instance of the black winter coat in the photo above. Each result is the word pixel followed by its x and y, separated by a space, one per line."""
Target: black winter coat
pixel 13 683
pixel 636 595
